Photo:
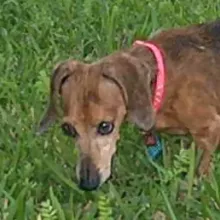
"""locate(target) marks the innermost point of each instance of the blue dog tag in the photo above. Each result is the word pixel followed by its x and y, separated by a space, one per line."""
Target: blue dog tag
pixel 155 149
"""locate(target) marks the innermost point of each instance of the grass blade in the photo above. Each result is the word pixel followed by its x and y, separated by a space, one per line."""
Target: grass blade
pixel 68 182
pixel 57 205
pixel 168 205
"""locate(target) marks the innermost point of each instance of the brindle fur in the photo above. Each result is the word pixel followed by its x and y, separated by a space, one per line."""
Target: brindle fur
pixel 119 87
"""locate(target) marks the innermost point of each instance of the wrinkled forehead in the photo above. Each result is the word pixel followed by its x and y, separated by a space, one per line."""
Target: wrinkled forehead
pixel 92 113
pixel 90 104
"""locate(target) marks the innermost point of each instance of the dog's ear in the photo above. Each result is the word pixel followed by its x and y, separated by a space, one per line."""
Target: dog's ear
pixel 134 80
pixel 60 74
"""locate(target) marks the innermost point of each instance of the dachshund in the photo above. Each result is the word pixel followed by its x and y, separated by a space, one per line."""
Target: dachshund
pixel 93 100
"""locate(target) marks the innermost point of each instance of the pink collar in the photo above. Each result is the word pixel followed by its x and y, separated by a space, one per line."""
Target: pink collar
pixel 160 81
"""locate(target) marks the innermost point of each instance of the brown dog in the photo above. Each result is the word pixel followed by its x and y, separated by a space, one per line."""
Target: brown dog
pixel 98 97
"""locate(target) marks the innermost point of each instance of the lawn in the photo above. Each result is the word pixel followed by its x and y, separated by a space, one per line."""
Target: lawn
pixel 37 174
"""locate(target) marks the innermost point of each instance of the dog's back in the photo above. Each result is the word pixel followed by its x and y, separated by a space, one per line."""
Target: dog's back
pixel 200 37
pixel 193 54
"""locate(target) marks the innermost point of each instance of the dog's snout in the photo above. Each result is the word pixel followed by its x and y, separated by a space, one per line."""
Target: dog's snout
pixel 89 176
pixel 89 185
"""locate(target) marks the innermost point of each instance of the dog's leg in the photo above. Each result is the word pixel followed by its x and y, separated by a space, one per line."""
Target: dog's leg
pixel 207 139
pixel 206 134
pixel 195 109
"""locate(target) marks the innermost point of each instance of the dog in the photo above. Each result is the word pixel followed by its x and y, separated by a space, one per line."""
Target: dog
pixel 93 100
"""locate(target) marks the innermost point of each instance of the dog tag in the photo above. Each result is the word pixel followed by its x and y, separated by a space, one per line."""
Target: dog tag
pixel 154 146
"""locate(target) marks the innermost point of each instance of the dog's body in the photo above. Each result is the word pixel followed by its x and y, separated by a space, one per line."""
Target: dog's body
pixel 119 86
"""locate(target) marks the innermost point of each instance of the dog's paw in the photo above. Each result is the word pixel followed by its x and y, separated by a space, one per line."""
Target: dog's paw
pixel 205 171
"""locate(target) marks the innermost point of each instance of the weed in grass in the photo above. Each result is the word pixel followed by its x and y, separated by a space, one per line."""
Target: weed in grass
pixel 37 173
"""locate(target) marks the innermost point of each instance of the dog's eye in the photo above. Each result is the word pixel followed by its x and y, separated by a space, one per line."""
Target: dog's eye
pixel 69 130
pixel 105 128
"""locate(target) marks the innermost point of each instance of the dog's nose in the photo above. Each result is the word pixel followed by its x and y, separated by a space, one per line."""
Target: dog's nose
pixel 89 176
pixel 89 185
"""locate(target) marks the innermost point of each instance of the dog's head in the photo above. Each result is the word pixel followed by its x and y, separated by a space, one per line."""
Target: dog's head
pixel 93 100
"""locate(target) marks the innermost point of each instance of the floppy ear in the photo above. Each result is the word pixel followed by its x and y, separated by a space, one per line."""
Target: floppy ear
pixel 59 76
pixel 134 80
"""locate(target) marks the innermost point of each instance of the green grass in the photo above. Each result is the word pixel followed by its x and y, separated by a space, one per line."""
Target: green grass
pixel 37 173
